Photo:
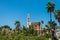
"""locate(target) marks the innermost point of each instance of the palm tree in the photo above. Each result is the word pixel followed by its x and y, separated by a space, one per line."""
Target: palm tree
pixel 57 16
pixel 17 23
pixel 48 27
pixel 50 9
pixel 53 31
pixel 40 24
pixel 53 26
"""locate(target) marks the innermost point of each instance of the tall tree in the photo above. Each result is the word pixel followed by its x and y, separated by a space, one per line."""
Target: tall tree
pixel 48 27
pixel 57 16
pixel 52 32
pixel 53 25
pixel 17 23
pixel 50 9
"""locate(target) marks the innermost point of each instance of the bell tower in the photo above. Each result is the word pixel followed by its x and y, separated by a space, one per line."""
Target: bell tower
pixel 28 20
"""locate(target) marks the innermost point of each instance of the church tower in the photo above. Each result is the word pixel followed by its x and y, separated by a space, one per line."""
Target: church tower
pixel 28 20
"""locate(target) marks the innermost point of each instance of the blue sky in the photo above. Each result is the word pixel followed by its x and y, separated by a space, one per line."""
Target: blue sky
pixel 12 10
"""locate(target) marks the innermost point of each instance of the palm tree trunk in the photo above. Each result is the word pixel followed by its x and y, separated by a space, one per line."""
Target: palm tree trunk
pixel 50 17
pixel 52 34
pixel 50 21
pixel 52 31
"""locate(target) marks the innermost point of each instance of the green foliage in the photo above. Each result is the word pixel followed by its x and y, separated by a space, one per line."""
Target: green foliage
pixel 50 7
pixel 25 34
pixel 22 37
pixel 47 35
